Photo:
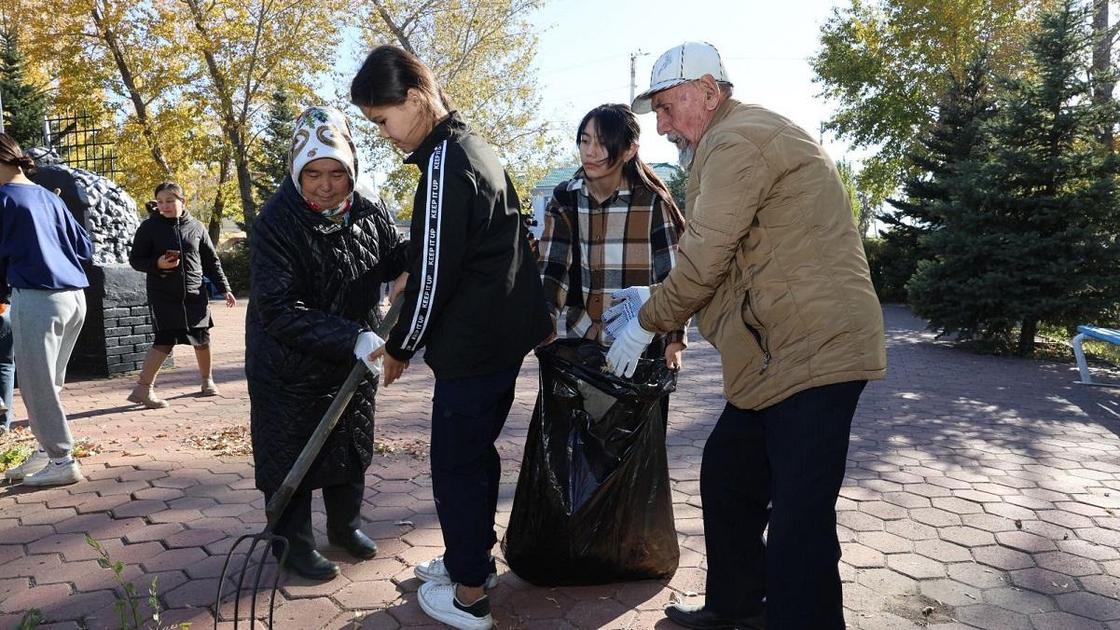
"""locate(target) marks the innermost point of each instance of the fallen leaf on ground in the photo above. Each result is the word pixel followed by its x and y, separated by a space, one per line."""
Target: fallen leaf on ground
pixel 233 440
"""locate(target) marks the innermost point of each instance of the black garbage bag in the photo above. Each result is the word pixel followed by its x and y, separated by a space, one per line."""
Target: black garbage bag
pixel 593 502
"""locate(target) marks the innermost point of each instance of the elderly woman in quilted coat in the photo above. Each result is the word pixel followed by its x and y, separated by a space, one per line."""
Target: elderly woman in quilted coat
pixel 320 252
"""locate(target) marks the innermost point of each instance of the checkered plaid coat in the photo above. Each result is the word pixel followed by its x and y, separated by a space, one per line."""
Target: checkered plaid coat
pixel 589 250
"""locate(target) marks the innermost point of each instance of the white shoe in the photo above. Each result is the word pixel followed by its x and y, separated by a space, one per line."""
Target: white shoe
pixel 439 602
pixel 35 462
pixel 435 571
pixel 56 475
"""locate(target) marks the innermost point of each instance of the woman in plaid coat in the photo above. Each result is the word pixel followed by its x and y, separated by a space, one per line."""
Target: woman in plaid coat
pixel 613 225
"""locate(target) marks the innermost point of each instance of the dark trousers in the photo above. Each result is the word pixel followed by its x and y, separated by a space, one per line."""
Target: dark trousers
pixel 782 466
pixel 343 503
pixel 467 416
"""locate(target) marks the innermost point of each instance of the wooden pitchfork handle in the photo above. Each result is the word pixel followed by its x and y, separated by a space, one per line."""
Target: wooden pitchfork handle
pixel 283 496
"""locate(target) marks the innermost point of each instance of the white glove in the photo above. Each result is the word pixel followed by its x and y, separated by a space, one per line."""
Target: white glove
pixel 622 358
pixel 367 343
pixel 628 302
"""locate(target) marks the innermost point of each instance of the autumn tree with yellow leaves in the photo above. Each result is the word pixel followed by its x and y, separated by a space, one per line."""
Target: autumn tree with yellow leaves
pixel 184 85
pixel 481 52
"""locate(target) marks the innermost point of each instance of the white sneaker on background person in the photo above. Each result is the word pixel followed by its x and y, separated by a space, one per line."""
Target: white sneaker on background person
pixel 435 571
pixel 56 474
pixel 33 464
pixel 440 603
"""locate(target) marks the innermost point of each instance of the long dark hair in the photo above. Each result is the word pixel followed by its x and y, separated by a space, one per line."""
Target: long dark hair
pixel 12 155
pixel 618 130
pixel 386 76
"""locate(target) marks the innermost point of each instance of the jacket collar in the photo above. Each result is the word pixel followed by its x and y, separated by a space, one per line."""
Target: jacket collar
pixel 721 112
pixel 453 125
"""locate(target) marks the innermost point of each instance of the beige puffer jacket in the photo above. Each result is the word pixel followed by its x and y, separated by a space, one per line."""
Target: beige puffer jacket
pixel 771 263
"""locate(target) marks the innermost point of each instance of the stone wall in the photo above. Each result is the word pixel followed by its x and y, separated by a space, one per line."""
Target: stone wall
pixel 118 328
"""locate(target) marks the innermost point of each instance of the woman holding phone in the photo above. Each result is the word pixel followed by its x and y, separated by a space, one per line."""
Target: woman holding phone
pixel 175 250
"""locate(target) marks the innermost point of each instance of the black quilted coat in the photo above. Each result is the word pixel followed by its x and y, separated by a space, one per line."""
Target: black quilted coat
pixel 176 297
pixel 315 285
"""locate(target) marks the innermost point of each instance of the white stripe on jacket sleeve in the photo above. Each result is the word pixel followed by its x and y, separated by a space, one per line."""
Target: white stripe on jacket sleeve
pixel 430 247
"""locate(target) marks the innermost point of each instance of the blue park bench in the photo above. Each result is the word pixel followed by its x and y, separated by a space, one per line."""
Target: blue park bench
pixel 1096 333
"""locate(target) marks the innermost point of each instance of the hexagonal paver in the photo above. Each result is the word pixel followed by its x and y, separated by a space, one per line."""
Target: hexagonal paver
pixel 885 581
pixel 976 575
pixel 956 505
pixel 148 533
pixel 859 521
pixel 173 560
pixel 989 522
pixel 950 592
pixel 1018 600
pixel 907 499
pixel 916 566
pixel 1089 605
pixel 1087 549
pixel 1068 564
pixel 883 510
pixel 861 557
pixel 910 530
pixel 935 517
pixel 1002 558
pixel 1063 621
pixel 992 617
pixel 1043 581
pixel 967 536
pixel 885 542
pixel 1024 541
pixel 942 552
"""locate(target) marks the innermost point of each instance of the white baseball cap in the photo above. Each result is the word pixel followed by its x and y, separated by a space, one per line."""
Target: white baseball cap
pixel 680 64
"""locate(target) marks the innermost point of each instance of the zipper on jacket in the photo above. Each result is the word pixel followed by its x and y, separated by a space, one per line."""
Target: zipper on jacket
pixel 759 338
pixel 183 272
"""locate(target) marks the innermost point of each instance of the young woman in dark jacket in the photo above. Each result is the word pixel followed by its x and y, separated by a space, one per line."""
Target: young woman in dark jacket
pixel 319 255
pixel 175 250
pixel 473 300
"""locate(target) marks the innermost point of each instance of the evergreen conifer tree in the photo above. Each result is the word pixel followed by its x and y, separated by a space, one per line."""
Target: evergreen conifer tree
pixel 24 105
pixel 271 165
pixel 950 144
pixel 1029 233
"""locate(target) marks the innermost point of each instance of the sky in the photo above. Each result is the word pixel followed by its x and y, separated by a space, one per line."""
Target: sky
pixel 583 57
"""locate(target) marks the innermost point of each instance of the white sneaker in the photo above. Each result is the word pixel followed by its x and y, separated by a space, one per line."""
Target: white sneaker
pixel 56 475
pixel 35 462
pixel 439 602
pixel 435 571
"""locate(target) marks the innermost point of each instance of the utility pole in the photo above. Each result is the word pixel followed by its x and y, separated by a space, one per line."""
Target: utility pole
pixel 1 111
pixel 633 79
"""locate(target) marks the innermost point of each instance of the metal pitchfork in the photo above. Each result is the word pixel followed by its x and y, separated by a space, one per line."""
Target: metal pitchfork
pixel 283 496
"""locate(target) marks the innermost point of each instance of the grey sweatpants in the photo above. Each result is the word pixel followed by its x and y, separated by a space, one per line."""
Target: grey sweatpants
pixel 45 325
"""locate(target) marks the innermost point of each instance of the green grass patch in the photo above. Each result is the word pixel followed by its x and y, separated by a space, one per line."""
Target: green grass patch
pixel 1056 347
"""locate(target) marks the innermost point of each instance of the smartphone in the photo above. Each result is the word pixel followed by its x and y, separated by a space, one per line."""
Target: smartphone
pixel 172 254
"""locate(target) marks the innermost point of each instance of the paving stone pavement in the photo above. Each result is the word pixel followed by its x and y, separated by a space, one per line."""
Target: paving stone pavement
pixel 981 492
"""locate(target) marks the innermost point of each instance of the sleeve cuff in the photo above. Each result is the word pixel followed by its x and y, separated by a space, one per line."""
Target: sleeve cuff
pixel 398 353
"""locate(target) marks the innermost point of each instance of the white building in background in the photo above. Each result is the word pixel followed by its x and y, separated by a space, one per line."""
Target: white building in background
pixel 542 191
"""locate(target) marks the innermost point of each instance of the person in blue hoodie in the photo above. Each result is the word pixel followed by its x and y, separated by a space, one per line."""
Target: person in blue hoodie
pixel 42 250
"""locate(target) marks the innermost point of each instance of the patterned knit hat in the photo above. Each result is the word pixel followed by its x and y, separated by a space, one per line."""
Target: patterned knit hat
pixel 322 132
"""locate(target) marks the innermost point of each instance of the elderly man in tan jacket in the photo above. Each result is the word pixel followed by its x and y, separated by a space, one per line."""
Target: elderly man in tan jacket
pixel 774 270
